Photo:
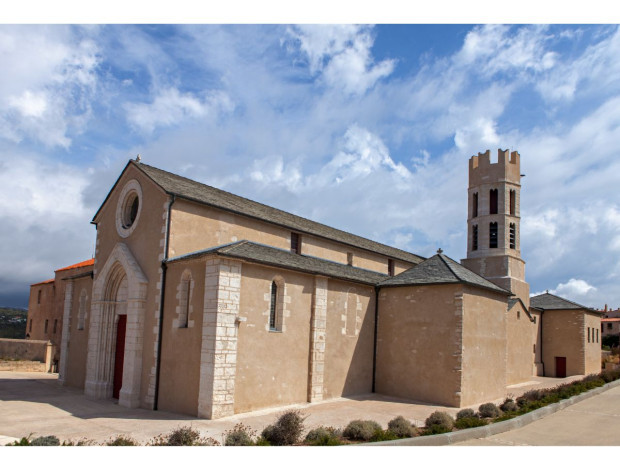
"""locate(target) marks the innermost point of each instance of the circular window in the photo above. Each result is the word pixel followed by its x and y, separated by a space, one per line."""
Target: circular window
pixel 128 208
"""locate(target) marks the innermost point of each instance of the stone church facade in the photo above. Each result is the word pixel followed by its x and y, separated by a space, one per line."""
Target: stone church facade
pixel 205 303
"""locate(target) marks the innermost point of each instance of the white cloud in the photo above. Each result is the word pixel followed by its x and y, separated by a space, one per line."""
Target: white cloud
pixel 573 289
pixel 172 107
pixel 47 82
pixel 342 56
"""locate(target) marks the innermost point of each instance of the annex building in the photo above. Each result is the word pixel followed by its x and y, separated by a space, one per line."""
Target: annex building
pixel 205 303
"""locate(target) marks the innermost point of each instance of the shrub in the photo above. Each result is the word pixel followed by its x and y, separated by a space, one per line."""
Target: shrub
pixel 489 410
pixel 79 442
pixel 609 376
pixel 286 430
pixel 529 396
pixel 469 422
pixel 465 413
pixel 361 430
pixel 381 435
pixel 438 423
pixel 509 405
pixel 21 442
pixel 45 441
pixel 184 436
pixel 323 436
pixel 401 427
pixel 122 441
pixel 240 435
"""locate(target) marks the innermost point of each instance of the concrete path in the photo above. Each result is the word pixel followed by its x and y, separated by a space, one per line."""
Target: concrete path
pixel 591 422
pixel 35 404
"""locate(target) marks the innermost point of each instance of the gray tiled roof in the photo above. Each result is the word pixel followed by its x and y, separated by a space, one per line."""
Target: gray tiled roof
pixel 272 256
pixel 440 269
pixel 186 188
pixel 548 301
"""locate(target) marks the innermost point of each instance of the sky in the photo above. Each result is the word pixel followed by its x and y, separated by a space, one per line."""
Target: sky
pixel 365 128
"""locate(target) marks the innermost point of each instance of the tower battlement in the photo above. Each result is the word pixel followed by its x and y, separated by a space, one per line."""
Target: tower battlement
pixel 507 167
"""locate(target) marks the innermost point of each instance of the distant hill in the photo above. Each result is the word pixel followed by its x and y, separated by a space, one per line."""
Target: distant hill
pixel 13 323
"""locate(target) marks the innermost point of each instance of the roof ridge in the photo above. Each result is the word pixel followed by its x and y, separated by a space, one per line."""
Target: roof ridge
pixel 398 251
pixel 561 298
pixel 443 258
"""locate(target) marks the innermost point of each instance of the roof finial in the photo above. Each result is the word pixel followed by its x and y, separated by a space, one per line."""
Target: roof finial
pixel 547 291
pixel 138 158
pixel 439 250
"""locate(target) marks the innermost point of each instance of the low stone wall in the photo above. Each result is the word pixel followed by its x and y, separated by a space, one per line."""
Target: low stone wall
pixel 22 350
pixel 23 365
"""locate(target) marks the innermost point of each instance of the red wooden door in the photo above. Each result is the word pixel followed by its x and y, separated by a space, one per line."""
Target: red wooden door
pixel 119 356
pixel 560 367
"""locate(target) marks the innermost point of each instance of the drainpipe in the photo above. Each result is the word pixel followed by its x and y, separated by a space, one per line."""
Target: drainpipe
pixel 162 295
pixel 374 350
pixel 542 358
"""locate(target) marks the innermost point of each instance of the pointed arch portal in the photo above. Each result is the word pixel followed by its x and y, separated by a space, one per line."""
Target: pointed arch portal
pixel 114 367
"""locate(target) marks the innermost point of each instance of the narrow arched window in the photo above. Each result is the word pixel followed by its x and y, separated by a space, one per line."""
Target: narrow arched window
pixel 493 201
pixel 513 200
pixel 513 236
pixel 82 310
pixel 39 297
pixel 474 237
pixel 273 307
pixel 185 299
pixel 493 235
pixel 474 205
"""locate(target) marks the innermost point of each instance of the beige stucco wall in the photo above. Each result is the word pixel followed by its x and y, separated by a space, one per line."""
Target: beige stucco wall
pixel 419 343
pixel 593 349
pixel 196 227
pixel 75 373
pixel 565 334
pixel 272 367
pixel 146 244
pixel 180 363
pixel 521 345
pixel 39 311
pixel 349 339
pixel 483 346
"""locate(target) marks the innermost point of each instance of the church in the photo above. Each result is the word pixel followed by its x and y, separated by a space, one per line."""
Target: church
pixel 205 303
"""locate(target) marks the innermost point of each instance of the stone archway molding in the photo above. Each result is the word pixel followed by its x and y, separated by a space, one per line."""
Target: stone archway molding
pixel 101 337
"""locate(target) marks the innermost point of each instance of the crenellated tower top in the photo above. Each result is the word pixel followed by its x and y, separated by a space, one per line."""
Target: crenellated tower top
pixel 506 169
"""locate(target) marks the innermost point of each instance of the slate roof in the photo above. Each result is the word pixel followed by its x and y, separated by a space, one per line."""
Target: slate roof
pixel 548 301
pixel 207 195
pixel 440 269
pixel 266 255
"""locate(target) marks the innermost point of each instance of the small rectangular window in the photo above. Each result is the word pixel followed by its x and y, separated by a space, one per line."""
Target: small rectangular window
pixel 474 207
pixel 45 328
pixel 493 202
pixel 512 201
pixel 474 237
pixel 597 335
pixel 350 258
pixel 608 325
pixel 272 307
pixel 39 297
pixel 295 243
pixel 493 235
pixel 513 235
pixel 588 334
pixel 55 326
pixel 518 315
pixel 390 267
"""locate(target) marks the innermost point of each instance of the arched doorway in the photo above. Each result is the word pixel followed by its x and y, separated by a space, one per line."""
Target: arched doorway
pixel 114 361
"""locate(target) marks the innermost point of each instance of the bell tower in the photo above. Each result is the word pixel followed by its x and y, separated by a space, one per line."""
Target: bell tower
pixel 493 222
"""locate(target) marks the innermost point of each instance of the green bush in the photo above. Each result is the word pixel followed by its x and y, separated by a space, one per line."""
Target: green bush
pixel 401 427
pixel 45 441
pixel 465 413
pixel 361 430
pixel 286 430
pixel 609 376
pixel 383 435
pixel 439 421
pixel 469 422
pixel 509 405
pixel 489 410
pixel 323 436
pixel 122 441
pixel 240 435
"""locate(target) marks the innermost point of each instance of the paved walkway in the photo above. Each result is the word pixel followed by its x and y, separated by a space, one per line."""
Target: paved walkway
pixel 34 403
